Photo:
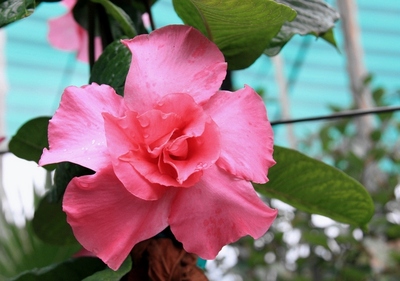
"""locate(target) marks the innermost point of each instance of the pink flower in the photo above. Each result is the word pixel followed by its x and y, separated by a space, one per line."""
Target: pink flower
pixel 66 34
pixel 1 139
pixel 174 151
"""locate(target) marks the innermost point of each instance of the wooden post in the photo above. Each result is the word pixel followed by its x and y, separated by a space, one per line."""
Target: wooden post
pixel 283 96
pixel 355 64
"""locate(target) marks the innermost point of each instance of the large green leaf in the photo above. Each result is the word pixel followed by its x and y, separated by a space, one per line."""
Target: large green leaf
pixel 112 66
pixel 241 29
pixel 50 223
pixel 313 17
pixel 30 139
pixel 111 275
pixel 315 187
pixel 13 10
pixel 70 270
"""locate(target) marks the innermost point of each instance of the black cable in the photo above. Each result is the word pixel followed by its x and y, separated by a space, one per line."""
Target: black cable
pixel 343 114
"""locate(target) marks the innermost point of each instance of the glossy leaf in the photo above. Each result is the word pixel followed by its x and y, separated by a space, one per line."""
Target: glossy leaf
pixel 110 275
pixel 30 139
pixel 120 16
pixel 315 187
pixel 112 67
pixel 13 10
pixel 50 223
pixel 241 29
pixel 65 172
pixel 313 17
pixel 70 270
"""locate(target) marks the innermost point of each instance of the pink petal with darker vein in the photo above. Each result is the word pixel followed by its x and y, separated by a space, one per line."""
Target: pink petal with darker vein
pixel 185 62
pixel 108 220
pixel 246 134
pixel 123 139
pixel 76 131
pixel 217 211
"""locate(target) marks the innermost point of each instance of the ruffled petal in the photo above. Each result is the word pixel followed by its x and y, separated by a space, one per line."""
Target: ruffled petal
pixel 217 211
pixel 123 139
pixel 186 62
pixel 76 131
pixel 246 133
pixel 108 220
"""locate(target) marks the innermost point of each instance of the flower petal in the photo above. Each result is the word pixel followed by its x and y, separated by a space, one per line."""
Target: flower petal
pixel 76 131
pixel 64 27
pixel 247 137
pixel 61 28
pixel 186 62
pixel 108 220
pixel 123 139
pixel 218 210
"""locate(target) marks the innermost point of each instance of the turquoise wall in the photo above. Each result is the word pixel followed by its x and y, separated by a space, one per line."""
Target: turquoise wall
pixel 37 73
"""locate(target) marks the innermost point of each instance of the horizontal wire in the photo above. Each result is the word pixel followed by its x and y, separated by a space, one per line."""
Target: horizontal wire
pixel 343 114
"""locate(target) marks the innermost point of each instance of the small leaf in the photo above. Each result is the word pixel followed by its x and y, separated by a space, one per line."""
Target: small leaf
pixel 13 10
pixel 50 223
pixel 120 16
pixel 111 275
pixel 112 67
pixel 30 139
pixel 315 187
pixel 242 30
pixel 70 270
pixel 313 17
pixel 65 172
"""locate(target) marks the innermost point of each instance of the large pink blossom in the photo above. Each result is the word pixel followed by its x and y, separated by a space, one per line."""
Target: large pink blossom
pixel 174 151
pixel 67 35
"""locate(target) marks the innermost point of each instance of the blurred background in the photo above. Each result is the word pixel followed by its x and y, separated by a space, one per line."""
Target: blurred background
pixel 308 78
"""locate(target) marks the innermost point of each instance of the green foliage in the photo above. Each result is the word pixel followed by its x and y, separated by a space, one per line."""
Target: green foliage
pixel 30 139
pixel 315 187
pixel 111 275
pixel 50 223
pixel 21 250
pixel 313 17
pixel 65 172
pixel 13 10
pixel 120 16
pixel 112 67
pixel 70 270
pixel 241 29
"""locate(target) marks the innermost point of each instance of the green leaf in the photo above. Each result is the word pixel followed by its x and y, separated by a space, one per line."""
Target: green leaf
pixel 111 275
pixel 112 67
pixel 120 16
pixel 313 17
pixel 30 139
pixel 65 172
pixel 315 187
pixel 242 30
pixel 70 270
pixel 50 223
pixel 13 10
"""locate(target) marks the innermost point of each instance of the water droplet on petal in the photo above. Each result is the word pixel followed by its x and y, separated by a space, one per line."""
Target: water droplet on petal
pixel 146 136
pixel 83 184
pixel 144 122
pixel 164 116
pixel 93 141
